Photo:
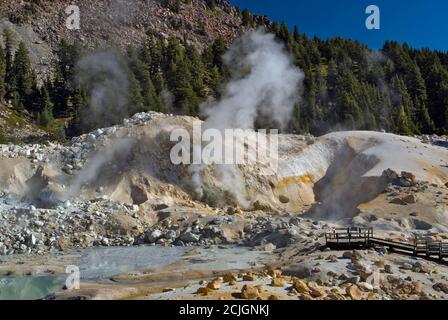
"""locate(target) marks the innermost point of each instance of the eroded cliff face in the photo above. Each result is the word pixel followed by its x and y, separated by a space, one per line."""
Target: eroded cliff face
pixel 114 23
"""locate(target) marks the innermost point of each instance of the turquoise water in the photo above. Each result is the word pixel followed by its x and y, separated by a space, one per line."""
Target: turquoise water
pixel 29 288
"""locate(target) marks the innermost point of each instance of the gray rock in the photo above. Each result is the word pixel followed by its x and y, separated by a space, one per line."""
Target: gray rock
pixel 388 269
pixel 39 223
pixel 353 280
pixel 170 235
pixel 31 240
pixel 269 247
pixel 406 266
pixel 189 237
pixel 153 236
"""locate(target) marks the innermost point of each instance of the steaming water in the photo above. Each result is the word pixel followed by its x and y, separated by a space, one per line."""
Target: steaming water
pixel 99 264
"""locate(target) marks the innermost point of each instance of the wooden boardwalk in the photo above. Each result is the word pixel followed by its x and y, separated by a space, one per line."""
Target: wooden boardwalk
pixel 362 238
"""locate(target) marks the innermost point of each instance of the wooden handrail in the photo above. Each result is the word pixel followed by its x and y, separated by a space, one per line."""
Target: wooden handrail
pixel 364 236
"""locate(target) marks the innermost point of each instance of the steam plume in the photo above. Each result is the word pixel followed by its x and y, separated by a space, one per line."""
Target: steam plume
pixel 264 87
pixel 106 78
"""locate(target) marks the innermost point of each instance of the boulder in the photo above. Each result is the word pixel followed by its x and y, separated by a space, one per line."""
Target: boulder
pixel 230 277
pixel 204 291
pixel 372 296
pixel 406 266
pixel 408 176
pixel 421 267
pixel 365 286
pixel 215 284
pixel 353 280
pixel 260 288
pixel 441 287
pixel 410 199
pixel 317 292
pixel 306 297
pixel 270 247
pixel 153 235
pixel 260 206
pixel 399 201
pixel 354 292
pixel 388 269
pixel 335 296
pixel 416 287
pixel 170 235
pixel 301 286
pixel 31 240
pixel 274 273
pixel 189 237
pixel 390 175
pixel 278 282
pixel 283 199
pixel 249 292
pixel 249 277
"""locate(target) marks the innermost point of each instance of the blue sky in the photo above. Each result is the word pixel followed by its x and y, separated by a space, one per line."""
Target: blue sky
pixel 419 23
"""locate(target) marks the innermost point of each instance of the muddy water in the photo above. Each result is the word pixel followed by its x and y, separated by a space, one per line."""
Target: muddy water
pixel 100 264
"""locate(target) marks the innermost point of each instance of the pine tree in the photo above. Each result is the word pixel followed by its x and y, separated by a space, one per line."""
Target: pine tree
pixel 2 74
pixel 218 49
pixel 25 79
pixel 247 18
pixel 197 70
pixel 403 127
pixel 80 105
pixel 45 117
pixel 151 99
pixel 284 33
pixel 9 68
pixel 136 101
pixel 211 4
pixel 425 124
pixel 185 98
pixel 351 113
pixel 296 34
pixel 174 5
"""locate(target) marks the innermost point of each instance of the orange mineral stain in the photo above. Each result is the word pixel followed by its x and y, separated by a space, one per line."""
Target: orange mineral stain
pixel 306 179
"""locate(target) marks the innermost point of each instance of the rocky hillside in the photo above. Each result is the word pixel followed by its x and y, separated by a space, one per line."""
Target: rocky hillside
pixel 42 24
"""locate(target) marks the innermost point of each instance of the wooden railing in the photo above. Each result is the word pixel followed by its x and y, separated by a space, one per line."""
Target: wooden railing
pixel 349 235
pixel 363 237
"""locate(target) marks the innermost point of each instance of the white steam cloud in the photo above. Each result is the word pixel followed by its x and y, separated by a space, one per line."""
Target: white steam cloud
pixel 92 170
pixel 265 84
pixel 105 76
pixel 264 87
